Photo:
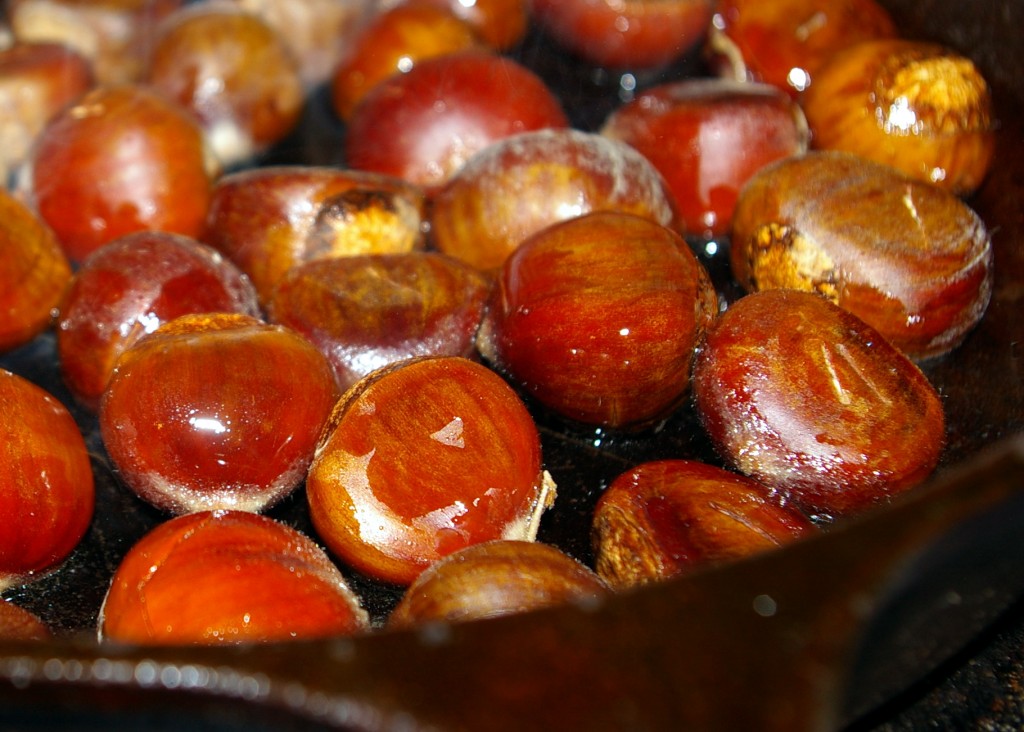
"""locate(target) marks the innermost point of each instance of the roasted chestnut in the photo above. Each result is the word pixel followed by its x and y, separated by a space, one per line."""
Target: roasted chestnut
pixel 495 578
pixel 917 106
pixel 216 411
pixel 809 400
pixel 707 137
pixel 227 577
pixel 910 259
pixel 521 184
pixel 365 312
pixel 665 518
pixel 598 317
pixel 422 458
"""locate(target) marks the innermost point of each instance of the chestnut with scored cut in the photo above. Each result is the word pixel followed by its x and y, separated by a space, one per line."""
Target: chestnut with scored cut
pixel 268 220
pixel 665 518
pixel 910 259
pixel 422 458
pixel 598 317
pixel 226 578
pixel 809 400
pixel 920 107
pixel 495 578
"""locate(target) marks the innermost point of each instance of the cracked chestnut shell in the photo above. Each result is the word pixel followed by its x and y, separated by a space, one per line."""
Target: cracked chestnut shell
pixel 809 400
pixel 495 578
pixel 664 518
pixel 597 318
pixel 420 459
pixel 919 107
pixel 910 259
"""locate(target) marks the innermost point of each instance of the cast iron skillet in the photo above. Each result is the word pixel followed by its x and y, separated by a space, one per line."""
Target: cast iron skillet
pixel 812 637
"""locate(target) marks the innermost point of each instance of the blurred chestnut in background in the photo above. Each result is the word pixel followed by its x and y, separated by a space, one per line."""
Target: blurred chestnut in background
pixel 664 518
pixel 598 317
pixel 148 153
pixel 524 183
pixel 393 42
pixel 425 124
pixel 37 80
pixel 34 272
pixel 130 287
pixel 215 411
pixel 317 32
pixel 365 312
pixel 707 137
pixel 18 624
pixel 809 400
pixel 233 71
pixel 912 260
pixel 919 107
pixel 114 35
pixel 785 42
pixel 420 459
pixel 627 34
pixel 227 577
pixel 267 220
pixel 495 578
pixel 501 24
pixel 47 494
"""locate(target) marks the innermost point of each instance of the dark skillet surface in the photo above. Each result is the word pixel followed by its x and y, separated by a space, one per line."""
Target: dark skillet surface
pixel 981 385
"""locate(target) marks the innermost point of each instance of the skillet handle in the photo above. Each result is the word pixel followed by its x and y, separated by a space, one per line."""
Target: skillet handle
pixel 795 639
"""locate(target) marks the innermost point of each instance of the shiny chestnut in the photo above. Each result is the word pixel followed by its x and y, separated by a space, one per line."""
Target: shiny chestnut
pixel 809 400
pixel 420 459
pixel 910 259
pixel 598 317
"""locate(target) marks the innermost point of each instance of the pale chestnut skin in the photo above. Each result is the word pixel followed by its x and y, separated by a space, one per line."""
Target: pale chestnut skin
pixel 812 402
pixel 665 518
pixel 18 624
pixel 377 508
pixel 918 107
pixel 598 317
pixel 227 578
pixel 495 578
pixel 912 260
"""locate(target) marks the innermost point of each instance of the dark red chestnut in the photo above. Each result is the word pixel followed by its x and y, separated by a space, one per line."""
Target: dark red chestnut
pixel 665 518
pixel 495 578
pixel 132 286
pixel 425 124
pixel 227 577
pixel 809 400
pixel 501 24
pixel 382 510
pixel 910 259
pixel 707 137
pixel 216 411
pixel 785 42
pixel 598 317
pixel 149 154
pixel 524 183
pixel 46 485
pixel 634 34
pixel 365 312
